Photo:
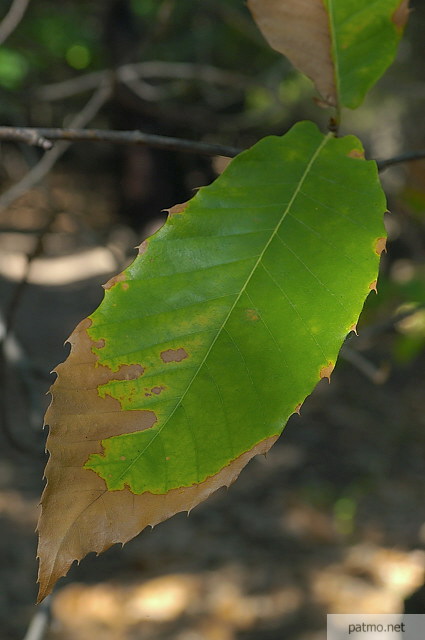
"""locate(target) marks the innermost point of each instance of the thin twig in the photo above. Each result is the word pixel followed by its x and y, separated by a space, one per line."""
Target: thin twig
pixel 42 168
pixel 387 324
pixel 42 137
pixel 12 307
pixel 378 375
pixel 40 622
pixel 9 322
pixel 35 175
pixel 117 137
pixel 12 18
pixel 28 136
pixel 153 69
pixel 403 157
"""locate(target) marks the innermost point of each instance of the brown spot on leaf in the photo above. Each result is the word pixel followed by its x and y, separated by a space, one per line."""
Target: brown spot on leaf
pixel 401 15
pixel 157 390
pixel 252 314
pixel 353 328
pixel 177 208
pixel 358 154
pixel 373 287
pixel 100 344
pixel 174 355
pixel 120 277
pixel 125 286
pixel 380 245
pixel 128 372
pixel 325 372
pixel 298 408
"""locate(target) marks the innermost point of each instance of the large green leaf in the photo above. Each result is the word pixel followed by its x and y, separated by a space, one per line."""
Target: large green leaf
pixel 209 341
pixel 344 46
pixel 236 306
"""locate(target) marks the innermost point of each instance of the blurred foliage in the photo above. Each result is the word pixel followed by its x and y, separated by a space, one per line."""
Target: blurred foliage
pixel 59 41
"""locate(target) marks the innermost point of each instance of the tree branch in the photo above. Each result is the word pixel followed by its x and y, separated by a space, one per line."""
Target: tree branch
pixel 12 18
pixel 42 137
pixel 42 168
pixel 403 157
pixel 128 73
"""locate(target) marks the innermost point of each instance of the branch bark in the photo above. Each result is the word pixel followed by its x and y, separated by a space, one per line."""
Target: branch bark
pixel 42 137
pixel 42 168
pixel 12 18
pixel 403 157
pixel 128 73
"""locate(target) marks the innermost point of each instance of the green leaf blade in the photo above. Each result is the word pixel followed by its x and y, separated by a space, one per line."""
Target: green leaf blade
pixel 237 306
pixel 365 36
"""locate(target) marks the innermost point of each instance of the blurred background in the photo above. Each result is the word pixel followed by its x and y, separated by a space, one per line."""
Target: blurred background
pixel 333 520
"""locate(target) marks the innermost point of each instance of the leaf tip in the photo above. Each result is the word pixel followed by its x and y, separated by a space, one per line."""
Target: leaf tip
pixel 176 209
pixel 380 245
pixel 373 286
pixel 326 371
pixel 120 277
pixel 298 408
pixel 142 247
pixel 353 328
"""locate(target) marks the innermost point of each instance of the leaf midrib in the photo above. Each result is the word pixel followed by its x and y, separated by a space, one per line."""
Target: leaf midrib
pixel 223 325
pixel 334 51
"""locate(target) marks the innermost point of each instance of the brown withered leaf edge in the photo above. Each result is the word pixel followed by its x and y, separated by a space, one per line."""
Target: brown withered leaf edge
pixel 78 515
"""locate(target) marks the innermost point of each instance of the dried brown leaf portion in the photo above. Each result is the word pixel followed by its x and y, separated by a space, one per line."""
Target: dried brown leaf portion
pixel 78 514
pixel 300 30
pixel 401 15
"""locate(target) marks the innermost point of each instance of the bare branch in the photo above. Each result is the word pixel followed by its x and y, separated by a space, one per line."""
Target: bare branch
pixel 42 137
pixel 403 157
pixel 72 87
pixel 42 168
pixel 375 330
pixel 12 18
pixel 115 137
pixel 28 136
pixel 128 73
pixel 378 375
